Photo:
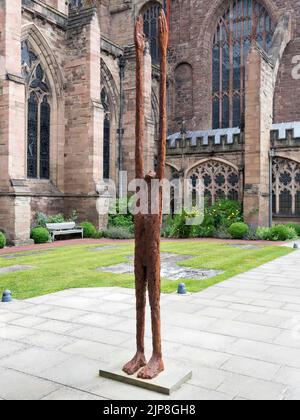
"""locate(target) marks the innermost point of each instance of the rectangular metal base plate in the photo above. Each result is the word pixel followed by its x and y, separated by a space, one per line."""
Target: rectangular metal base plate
pixel 170 380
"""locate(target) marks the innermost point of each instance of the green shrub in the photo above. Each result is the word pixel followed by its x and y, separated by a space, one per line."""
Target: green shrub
pixel 179 228
pixel 296 227
pixel 224 213
pixel 277 233
pixel 167 227
pixel 40 235
pixel 122 220
pixel 204 231
pixel 264 233
pixel 283 233
pixel 2 240
pixel 56 218
pixel 252 234
pixel 40 220
pixel 89 230
pixel 238 230
pixel 222 233
pixel 115 232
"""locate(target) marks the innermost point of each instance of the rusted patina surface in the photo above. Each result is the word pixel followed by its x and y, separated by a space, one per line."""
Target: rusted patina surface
pixel 147 227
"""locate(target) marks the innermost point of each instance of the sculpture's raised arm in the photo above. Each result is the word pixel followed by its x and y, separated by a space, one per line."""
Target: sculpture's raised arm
pixel 139 40
pixel 163 42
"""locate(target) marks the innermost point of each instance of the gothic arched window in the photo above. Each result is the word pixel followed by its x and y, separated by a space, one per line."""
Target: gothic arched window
pixel 38 115
pixel 106 134
pixel 151 15
pixel 286 187
pixel 220 180
pixel 243 22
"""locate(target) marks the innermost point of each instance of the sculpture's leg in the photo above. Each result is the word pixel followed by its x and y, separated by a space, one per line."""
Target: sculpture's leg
pixel 139 359
pixel 155 364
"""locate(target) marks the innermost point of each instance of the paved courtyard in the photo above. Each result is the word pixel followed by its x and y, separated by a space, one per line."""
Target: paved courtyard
pixel 241 338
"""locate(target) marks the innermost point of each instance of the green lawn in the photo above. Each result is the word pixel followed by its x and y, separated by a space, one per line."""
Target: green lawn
pixel 74 266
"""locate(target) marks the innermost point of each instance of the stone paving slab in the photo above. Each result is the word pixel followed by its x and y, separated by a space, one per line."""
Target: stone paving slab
pixel 241 338
pixel 169 268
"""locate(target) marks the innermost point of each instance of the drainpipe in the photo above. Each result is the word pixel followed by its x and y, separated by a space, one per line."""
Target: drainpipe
pixel 271 156
pixel 120 130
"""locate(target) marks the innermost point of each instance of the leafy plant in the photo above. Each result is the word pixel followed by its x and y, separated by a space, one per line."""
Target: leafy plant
pixel 264 233
pixel 57 218
pixel 252 234
pixel 180 228
pixel 295 226
pixel 2 240
pixel 89 230
pixel 73 217
pixel 222 233
pixel 277 233
pixel 115 232
pixel 40 220
pixel 283 233
pixel 224 213
pixel 119 219
pixel 40 235
pixel 204 231
pixel 238 230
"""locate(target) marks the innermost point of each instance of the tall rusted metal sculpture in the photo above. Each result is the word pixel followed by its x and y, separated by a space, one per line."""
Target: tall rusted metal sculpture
pixel 147 226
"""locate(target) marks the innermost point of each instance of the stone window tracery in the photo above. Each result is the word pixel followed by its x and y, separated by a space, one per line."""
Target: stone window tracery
pixel 243 22
pixel 286 187
pixel 38 115
pixel 220 180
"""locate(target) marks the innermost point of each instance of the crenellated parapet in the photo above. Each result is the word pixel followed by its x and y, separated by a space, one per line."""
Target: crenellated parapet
pixel 285 135
pixel 206 141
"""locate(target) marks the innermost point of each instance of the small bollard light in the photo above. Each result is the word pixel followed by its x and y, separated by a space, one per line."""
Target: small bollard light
pixel 181 289
pixel 6 297
pixel 296 246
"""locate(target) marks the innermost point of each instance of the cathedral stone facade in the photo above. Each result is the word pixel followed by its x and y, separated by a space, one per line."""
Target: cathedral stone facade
pixel 67 104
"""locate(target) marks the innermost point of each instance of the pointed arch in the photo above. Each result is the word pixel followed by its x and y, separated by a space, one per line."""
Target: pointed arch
pixel 44 75
pixel 113 92
pixel 221 179
pixel 41 47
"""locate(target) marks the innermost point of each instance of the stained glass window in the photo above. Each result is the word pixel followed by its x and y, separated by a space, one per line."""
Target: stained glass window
pixel 150 15
pixel 32 131
pixel 38 115
pixel 244 21
pixel 106 135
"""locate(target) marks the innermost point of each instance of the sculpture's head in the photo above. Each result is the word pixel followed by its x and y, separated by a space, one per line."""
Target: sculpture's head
pixel 150 175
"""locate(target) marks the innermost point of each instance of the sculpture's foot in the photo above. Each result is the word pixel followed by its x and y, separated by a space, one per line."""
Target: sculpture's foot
pixel 153 368
pixel 135 364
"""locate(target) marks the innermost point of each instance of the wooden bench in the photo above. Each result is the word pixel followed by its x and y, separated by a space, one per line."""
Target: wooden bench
pixel 68 228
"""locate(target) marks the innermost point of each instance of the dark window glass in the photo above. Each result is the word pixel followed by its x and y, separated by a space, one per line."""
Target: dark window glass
pixel 285 203
pixel 45 140
pixel 106 148
pixel 297 207
pixel 106 134
pixel 38 116
pixel 216 113
pixel 32 130
pixel 225 111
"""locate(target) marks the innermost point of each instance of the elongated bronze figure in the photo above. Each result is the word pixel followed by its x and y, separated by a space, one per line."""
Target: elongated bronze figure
pixel 147 227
